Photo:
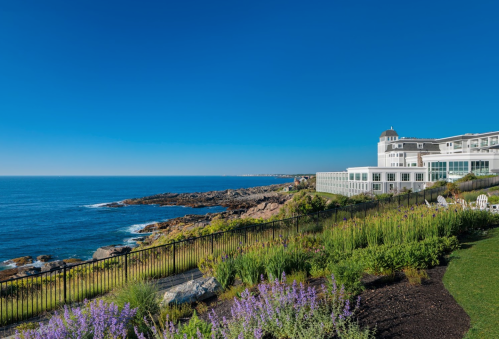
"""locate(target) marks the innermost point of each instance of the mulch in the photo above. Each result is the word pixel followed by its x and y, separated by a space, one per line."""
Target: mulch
pixel 398 309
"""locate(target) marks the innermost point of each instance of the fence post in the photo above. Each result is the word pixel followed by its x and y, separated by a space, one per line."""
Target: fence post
pixel 212 243
pixel 399 200
pixel 365 210
pixel 351 213
pixel 408 199
pixel 174 258
pixel 296 218
pixel 336 215
pixel 317 221
pixel 65 290
pixel 126 267
pixel 273 228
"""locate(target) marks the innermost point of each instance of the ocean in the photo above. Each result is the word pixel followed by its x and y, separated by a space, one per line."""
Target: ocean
pixel 64 217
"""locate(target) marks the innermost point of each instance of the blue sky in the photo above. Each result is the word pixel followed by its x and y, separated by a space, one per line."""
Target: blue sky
pixel 234 87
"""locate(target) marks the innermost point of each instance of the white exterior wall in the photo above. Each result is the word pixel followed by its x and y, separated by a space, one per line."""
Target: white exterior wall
pixel 332 182
pixel 342 182
pixel 359 186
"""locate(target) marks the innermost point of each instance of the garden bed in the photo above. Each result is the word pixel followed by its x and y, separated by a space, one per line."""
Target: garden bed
pixel 396 308
pixel 401 310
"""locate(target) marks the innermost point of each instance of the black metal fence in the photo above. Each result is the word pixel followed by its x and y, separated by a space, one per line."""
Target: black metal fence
pixel 25 297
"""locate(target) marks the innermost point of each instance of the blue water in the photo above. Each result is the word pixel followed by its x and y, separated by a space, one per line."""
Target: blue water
pixel 60 216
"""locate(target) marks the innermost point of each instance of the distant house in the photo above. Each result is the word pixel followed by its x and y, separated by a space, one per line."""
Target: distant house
pixel 296 182
pixel 303 180
pixel 288 188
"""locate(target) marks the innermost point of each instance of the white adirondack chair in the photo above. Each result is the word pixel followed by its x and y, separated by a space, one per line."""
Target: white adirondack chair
pixel 463 203
pixel 481 202
pixel 427 203
pixel 442 202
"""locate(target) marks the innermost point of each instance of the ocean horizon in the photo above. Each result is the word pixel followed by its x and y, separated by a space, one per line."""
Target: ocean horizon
pixel 63 216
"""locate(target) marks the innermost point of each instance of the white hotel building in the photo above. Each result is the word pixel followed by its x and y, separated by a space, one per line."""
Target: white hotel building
pixel 411 163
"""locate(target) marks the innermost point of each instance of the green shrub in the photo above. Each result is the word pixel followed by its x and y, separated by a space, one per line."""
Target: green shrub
pixel 277 261
pixel 194 326
pixel 141 295
pixel 175 312
pixel 250 267
pixel 348 274
pixel 494 199
pixel 225 272
pixel 386 259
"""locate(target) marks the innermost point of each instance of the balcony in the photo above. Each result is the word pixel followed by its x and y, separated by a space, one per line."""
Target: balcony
pixel 493 142
pixel 474 145
pixel 458 146
pixel 484 143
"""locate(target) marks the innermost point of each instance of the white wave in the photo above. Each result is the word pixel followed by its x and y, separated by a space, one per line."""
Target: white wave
pixel 96 205
pixel 8 264
pixel 137 227
pixel 103 204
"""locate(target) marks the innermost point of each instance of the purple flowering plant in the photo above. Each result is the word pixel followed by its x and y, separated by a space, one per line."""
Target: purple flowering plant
pixel 280 310
pixel 95 319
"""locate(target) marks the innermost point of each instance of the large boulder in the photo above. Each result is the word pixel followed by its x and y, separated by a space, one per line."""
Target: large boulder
pixel 43 258
pixel 192 291
pixel 110 251
pixel 52 265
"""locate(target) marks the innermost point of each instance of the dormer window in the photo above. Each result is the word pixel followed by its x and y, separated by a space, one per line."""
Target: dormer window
pixel 420 146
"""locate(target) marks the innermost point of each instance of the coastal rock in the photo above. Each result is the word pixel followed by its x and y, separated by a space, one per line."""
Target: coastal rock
pixel 27 271
pixel 115 205
pixel 8 274
pixel 21 261
pixel 232 199
pixel 52 265
pixel 264 210
pixel 110 251
pixel 43 258
pixel 192 291
pixel 72 260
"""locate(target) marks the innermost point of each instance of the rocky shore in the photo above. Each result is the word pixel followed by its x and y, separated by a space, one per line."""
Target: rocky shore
pixel 243 198
pixel 255 202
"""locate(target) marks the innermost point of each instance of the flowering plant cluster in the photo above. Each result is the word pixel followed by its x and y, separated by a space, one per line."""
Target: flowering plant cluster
pixel 95 319
pixel 280 310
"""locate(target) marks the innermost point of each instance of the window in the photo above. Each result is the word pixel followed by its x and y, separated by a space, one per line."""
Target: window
pixel 420 146
pixel 357 176
pixel 480 167
pixel 390 176
pixel 376 187
pixel 390 187
pixel 437 170
pixel 419 176
pixel 406 176
pixel 364 176
pixel 458 167
pixel 376 176
pixel 351 176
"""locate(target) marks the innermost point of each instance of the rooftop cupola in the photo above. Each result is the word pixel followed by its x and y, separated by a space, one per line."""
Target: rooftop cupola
pixel 389 135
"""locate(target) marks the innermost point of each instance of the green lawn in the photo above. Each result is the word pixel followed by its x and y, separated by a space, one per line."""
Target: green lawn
pixel 326 195
pixel 473 280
